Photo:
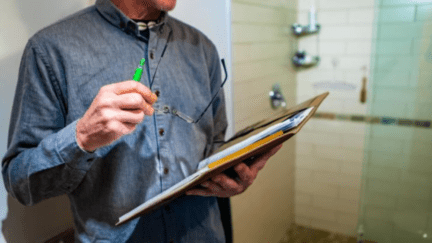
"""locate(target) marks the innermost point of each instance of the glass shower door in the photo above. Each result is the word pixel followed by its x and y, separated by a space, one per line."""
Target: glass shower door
pixel 396 195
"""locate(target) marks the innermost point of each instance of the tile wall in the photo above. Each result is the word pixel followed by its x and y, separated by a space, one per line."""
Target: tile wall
pixel 329 153
pixel 262 47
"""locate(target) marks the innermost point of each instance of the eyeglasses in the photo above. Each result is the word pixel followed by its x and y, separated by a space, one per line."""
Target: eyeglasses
pixel 174 112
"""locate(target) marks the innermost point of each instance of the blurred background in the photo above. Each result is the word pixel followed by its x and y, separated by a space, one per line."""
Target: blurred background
pixel 361 169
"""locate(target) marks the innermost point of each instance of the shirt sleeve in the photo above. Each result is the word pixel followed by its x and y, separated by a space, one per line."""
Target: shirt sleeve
pixel 43 159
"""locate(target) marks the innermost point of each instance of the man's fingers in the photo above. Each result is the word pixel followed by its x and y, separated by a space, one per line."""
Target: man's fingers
pixel 246 175
pixel 223 181
pixel 131 117
pixel 260 162
pixel 130 101
pixel 133 87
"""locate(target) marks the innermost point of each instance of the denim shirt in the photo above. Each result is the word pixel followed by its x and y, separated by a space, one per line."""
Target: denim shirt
pixel 62 69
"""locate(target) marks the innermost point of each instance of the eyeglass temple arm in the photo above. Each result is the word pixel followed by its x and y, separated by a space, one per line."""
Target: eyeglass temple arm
pixel 214 97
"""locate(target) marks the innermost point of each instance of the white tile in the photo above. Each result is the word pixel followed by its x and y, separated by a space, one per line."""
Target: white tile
pixel 344 127
pixel 310 46
pixel 319 138
pixel 333 47
pixel 344 62
pixel 332 17
pixel 342 154
pixel 361 16
pixel 331 105
pixel 344 4
pixel 355 107
pixel 337 179
pixel 303 17
pixel 359 48
pixel 360 32
pixel 316 188
pixel 314 163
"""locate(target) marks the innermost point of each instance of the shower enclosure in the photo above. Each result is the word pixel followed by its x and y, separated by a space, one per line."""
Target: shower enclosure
pixel 396 195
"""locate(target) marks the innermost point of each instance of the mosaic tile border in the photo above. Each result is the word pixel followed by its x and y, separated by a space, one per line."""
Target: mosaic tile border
pixel 375 120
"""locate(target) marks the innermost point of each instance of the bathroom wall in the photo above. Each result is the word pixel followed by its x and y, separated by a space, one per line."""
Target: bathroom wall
pixel 262 47
pixel 329 152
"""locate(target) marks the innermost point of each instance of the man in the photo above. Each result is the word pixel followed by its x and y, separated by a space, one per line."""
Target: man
pixel 78 129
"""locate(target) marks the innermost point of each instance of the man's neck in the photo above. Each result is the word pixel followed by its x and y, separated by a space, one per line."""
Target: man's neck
pixel 138 9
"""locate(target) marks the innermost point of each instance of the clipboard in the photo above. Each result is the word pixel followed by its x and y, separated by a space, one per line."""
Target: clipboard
pixel 246 144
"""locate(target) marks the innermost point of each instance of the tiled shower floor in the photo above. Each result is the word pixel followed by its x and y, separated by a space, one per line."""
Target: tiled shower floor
pixel 300 234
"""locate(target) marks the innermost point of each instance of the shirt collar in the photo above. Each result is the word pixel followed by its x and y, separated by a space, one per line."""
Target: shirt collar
pixel 116 17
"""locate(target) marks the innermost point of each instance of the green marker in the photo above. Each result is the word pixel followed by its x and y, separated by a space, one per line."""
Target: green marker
pixel 139 71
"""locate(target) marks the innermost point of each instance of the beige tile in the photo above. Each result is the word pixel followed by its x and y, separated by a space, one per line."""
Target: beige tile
pixel 349 219
pixel 262 69
pixel 249 33
pixel 245 13
pixel 303 199
pixel 349 193
pixel 304 148
pixel 273 3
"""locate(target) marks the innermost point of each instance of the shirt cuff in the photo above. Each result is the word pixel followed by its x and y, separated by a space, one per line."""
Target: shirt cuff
pixel 69 150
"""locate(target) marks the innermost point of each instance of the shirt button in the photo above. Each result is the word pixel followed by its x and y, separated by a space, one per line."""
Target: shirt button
pixel 90 160
pixel 166 171
pixel 152 55
pixel 161 132
pixel 157 93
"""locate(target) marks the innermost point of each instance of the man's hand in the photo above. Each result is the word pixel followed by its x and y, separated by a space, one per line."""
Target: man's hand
pixel 224 186
pixel 115 111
